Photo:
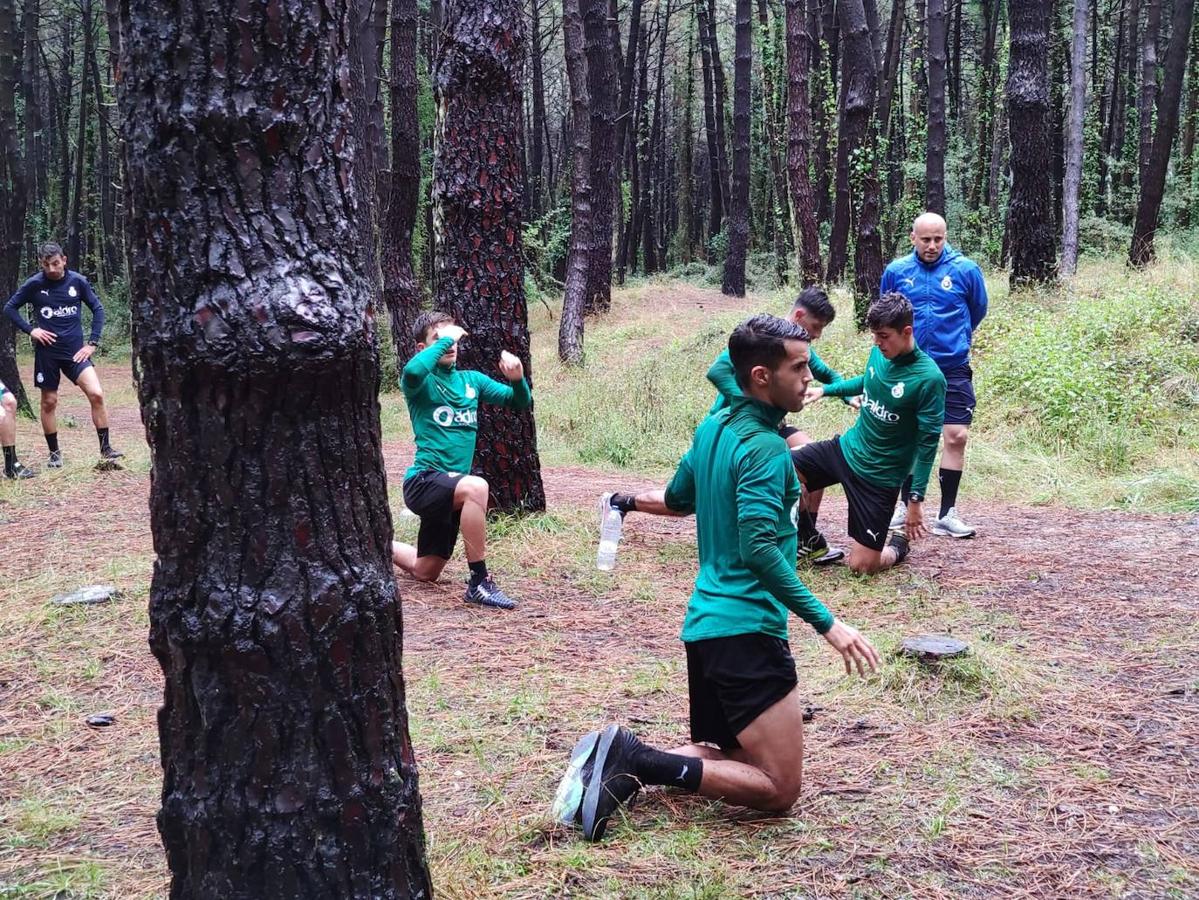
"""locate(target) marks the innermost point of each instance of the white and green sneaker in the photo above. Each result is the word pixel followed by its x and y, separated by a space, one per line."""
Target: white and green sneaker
pixel 949 525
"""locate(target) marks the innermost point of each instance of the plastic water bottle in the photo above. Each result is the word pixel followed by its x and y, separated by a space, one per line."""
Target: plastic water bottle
pixel 605 559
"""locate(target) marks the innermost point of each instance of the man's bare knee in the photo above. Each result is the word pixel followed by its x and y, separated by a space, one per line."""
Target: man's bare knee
pixel 475 489
pixel 49 403
pixel 9 403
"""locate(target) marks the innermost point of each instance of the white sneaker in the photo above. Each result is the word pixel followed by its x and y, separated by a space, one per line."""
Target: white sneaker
pixel 898 518
pixel 949 525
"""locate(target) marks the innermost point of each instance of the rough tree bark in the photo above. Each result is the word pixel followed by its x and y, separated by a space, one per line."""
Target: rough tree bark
pixel 862 88
pixel 1030 209
pixel 1078 91
pixel 720 96
pixel 288 771
pixel 1153 183
pixel 400 294
pixel 477 193
pixel 733 282
pixel 822 30
pixel 934 158
pixel 987 107
pixel 570 327
pixel 536 132
pixel 14 195
pixel 803 199
pixel 1186 164
pixel 1147 95
pixel 601 57
pixel 716 192
pixel 76 217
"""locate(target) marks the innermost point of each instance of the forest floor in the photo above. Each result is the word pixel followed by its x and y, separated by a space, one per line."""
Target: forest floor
pixel 1059 759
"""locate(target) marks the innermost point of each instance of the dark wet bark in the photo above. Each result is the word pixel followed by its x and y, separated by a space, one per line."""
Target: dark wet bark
pixel 1153 184
pixel 287 766
pixel 537 126
pixel 14 193
pixel 716 191
pixel 720 101
pixel 1031 235
pixel 601 66
pixel 570 327
pixel 803 199
pixel 477 191
pixel 934 158
pixel 1147 95
pixel 733 282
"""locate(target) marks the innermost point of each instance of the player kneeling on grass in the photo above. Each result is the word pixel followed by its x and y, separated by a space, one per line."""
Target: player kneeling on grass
pixel 8 435
pixel 443 404
pixel 746 719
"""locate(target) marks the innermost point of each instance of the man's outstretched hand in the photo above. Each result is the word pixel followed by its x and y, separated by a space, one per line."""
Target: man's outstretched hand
pixel 855 650
pixel 511 367
pixel 454 332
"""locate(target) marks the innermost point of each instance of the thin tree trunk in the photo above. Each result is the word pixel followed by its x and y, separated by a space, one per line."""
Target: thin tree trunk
pixel 772 133
pixel 1153 183
pixel 1186 165
pixel 1147 96
pixel 720 93
pixel 868 256
pixel 1078 91
pixel 601 70
pixel 687 230
pixel 62 108
pixel 838 242
pixel 570 327
pixel 537 151
pixel 110 258
pixel 823 28
pixel 886 93
pixel 955 63
pixel 1131 101
pixel 934 158
pixel 14 192
pixel 76 219
pixel 803 201
pixel 288 770
pixel 477 189
pixel 1115 114
pixel 1030 210
pixel 733 282
pixel 716 192
pixel 400 294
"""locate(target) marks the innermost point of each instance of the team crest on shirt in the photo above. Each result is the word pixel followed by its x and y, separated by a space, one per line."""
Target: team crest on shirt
pixel 947 283
pixel 897 391
pixel 40 377
pixel 71 290
pixel 795 514
pixel 470 392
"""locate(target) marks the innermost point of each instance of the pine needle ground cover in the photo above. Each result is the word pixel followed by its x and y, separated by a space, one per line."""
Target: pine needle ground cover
pixel 1058 759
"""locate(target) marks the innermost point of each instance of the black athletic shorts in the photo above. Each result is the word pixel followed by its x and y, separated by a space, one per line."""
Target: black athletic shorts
pixel 785 431
pixel 959 395
pixel 50 362
pixel 430 495
pixel 733 680
pixel 822 463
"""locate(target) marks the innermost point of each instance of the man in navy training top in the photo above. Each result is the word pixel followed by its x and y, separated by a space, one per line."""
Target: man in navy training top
pixel 949 298
pixel 8 435
pixel 56 295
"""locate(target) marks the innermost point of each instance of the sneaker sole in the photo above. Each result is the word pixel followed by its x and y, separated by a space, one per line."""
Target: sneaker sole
pixel 569 796
pixel 829 559
pixel 508 606
pixel 595 786
pixel 945 532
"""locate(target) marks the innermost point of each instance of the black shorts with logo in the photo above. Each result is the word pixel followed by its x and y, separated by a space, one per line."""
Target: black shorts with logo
pixel 959 395
pixel 51 362
pixel 430 495
pixel 822 463
pixel 733 680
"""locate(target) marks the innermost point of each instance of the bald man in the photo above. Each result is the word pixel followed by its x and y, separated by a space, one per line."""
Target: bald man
pixel 949 298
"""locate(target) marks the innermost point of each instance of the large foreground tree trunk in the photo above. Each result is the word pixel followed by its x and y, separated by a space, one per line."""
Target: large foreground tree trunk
pixel 1031 234
pixel 403 184
pixel 799 130
pixel 1078 91
pixel 1153 182
pixel 734 265
pixel 477 193
pixel 287 766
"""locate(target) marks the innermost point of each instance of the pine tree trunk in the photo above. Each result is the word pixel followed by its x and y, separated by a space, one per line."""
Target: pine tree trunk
pixel 687 230
pixel 76 218
pixel 1153 183
pixel 1078 91
pixel 570 327
pixel 955 63
pixel 771 131
pixel 288 770
pixel 1030 208
pixel 716 192
pixel 803 200
pixel 14 195
pixel 1186 164
pixel 477 190
pixel 720 95
pixel 1130 101
pixel 823 28
pixel 934 158
pixel 863 90
pixel 1115 112
pixel 400 294
pixel 110 258
pixel 61 107
pixel 1147 95
pixel 601 69
pixel 733 282
pixel 888 79
pixel 537 129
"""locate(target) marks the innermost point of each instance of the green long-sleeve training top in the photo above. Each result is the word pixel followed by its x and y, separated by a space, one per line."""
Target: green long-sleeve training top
pixel 739 481
pixel 899 426
pixel 443 404
pixel 724 377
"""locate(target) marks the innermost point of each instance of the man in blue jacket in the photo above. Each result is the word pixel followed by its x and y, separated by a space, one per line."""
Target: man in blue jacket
pixel 949 298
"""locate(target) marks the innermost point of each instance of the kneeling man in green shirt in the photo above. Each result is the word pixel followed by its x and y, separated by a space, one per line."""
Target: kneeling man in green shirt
pixel 443 404
pixel 746 719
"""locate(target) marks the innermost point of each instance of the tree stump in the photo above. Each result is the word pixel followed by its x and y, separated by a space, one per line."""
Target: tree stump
pixel 932 648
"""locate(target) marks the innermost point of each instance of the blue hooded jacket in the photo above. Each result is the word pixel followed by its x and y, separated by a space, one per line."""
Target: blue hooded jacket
pixel 949 299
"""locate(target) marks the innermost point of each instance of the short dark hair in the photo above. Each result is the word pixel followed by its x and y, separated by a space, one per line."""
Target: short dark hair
pixel 815 300
pixel 49 250
pixel 761 341
pixel 891 310
pixel 430 318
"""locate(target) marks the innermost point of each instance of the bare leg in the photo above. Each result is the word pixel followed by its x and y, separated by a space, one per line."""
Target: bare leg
pixel 49 412
pixel 953 453
pixel 422 568
pixel 8 425
pixel 865 561
pixel 470 496
pixel 89 383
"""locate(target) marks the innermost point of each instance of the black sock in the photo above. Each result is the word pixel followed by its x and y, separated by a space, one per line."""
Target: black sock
pixel 901 545
pixel 102 433
pixel 657 767
pixel 906 490
pixel 807 528
pixel 52 442
pixel 10 460
pixel 625 503
pixel 812 516
pixel 478 571
pixel 950 479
